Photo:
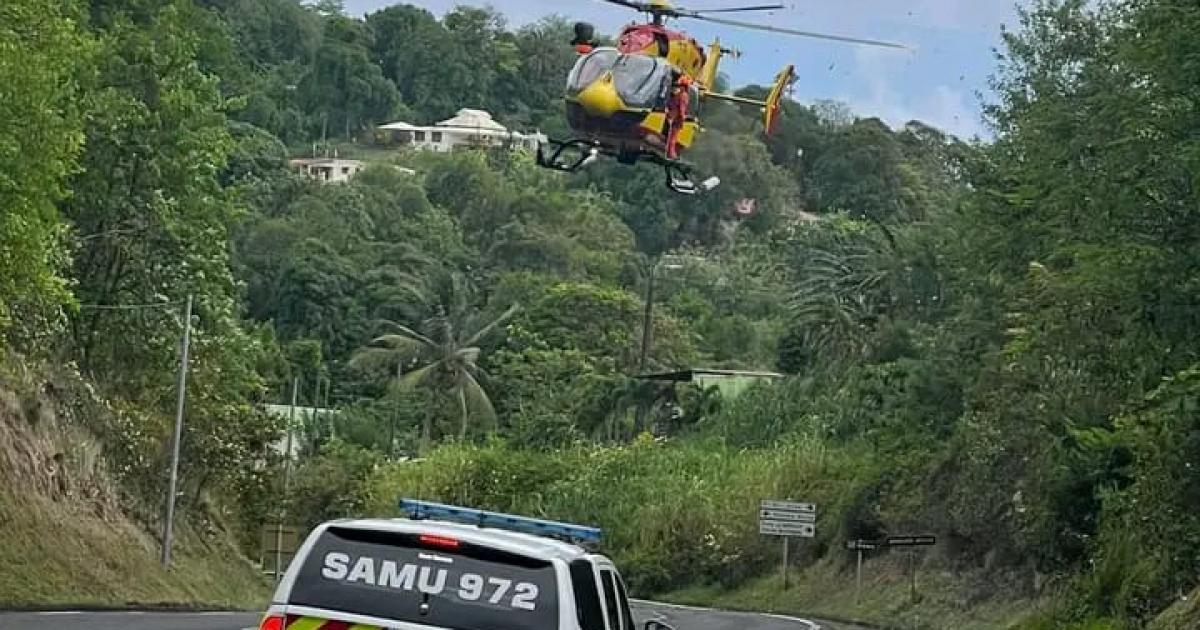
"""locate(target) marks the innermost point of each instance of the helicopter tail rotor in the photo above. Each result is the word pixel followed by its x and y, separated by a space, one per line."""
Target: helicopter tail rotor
pixel 772 105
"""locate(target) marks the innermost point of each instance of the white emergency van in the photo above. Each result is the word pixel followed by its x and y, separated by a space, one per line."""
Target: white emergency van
pixel 452 568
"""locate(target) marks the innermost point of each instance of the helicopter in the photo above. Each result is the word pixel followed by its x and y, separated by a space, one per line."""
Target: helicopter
pixel 641 99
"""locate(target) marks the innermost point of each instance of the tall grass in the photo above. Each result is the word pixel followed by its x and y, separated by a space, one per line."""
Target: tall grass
pixel 673 513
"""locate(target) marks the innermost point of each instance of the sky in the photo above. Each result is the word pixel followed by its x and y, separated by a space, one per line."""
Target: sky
pixel 940 82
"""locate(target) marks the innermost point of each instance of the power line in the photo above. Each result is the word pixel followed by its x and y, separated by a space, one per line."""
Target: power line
pixel 130 307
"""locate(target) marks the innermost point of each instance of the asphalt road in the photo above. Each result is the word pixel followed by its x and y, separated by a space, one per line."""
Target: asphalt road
pixel 127 621
pixel 681 617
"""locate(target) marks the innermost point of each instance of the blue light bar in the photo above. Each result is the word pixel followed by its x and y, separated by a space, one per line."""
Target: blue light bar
pixel 427 509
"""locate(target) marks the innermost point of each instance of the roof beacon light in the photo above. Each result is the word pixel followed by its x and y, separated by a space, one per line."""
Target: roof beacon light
pixel 427 509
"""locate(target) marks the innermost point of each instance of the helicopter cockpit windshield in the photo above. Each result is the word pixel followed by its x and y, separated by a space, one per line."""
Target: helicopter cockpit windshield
pixel 641 81
pixel 591 67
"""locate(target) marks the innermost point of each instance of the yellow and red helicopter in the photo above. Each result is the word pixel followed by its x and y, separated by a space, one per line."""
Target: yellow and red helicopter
pixel 641 99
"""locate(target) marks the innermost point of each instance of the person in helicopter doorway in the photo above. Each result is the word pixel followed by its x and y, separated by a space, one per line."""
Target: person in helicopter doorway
pixel 677 111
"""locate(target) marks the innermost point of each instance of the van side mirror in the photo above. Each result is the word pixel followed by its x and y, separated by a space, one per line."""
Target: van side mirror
pixel 655 624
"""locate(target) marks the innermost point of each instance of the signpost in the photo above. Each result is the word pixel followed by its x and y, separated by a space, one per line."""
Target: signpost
pixel 787 519
pixel 923 540
pixel 860 546
pixel 278 544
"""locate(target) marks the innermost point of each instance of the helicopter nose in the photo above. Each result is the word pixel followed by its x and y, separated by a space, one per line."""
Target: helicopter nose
pixel 601 98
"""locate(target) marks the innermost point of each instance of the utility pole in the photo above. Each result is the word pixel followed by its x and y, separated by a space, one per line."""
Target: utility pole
pixel 181 387
pixel 647 335
pixel 313 432
pixel 648 317
pixel 287 481
pixel 325 406
pixel 395 412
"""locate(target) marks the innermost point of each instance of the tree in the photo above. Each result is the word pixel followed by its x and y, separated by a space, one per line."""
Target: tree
pixel 152 220
pixel 343 85
pixel 859 172
pixel 42 57
pixel 443 352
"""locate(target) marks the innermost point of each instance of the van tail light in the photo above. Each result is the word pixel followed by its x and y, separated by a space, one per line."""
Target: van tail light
pixel 272 622
pixel 438 541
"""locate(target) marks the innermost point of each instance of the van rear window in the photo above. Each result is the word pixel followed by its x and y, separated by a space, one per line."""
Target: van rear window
pixel 427 580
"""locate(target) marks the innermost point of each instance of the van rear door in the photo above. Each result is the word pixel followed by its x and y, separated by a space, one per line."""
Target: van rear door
pixel 426 579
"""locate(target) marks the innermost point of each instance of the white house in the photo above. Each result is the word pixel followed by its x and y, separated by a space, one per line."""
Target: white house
pixel 335 170
pixel 468 128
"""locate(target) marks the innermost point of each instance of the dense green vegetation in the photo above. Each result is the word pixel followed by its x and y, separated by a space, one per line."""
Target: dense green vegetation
pixel 992 341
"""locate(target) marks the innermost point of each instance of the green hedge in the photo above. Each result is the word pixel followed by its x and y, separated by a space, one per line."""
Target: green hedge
pixel 673 513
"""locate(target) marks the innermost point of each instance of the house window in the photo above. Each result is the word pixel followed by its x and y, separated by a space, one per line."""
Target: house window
pixel 345 170
pixel 437 136
pixel 419 136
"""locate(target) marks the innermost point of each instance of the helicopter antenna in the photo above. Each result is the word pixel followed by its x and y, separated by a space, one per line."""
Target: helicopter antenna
pixel 661 9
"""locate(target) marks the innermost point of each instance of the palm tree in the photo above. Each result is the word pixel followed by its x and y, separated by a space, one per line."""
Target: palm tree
pixel 851 278
pixel 442 353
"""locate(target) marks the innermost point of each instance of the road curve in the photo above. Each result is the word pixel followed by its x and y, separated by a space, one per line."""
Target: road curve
pixel 692 618
pixel 680 617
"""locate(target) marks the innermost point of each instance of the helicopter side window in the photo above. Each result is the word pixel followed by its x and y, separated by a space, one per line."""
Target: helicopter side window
pixel 590 67
pixel 641 81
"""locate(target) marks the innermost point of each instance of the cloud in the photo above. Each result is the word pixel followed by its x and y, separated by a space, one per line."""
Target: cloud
pixel 950 109
pixel 959 15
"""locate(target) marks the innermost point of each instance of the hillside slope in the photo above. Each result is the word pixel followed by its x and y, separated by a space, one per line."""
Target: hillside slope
pixel 1183 615
pixel 68 541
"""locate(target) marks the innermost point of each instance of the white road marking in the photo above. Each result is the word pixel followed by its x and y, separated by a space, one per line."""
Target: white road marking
pixel 811 625
pixel 666 605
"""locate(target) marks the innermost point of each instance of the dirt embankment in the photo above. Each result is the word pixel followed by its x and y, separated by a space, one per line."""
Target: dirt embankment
pixel 65 536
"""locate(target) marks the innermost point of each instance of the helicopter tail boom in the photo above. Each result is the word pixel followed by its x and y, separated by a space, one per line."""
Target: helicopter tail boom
pixel 734 99
pixel 771 105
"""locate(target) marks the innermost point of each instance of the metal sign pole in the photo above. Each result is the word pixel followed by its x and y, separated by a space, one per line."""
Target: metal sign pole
pixel 912 564
pixel 787 519
pixel 858 579
pixel 785 562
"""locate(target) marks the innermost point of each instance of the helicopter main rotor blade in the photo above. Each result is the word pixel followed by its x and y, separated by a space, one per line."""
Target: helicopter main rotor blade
pixel 761 7
pixel 788 31
pixel 637 6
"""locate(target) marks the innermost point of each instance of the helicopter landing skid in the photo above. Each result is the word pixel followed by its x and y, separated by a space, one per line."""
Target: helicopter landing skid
pixel 571 155
pixel 679 175
pixel 584 152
